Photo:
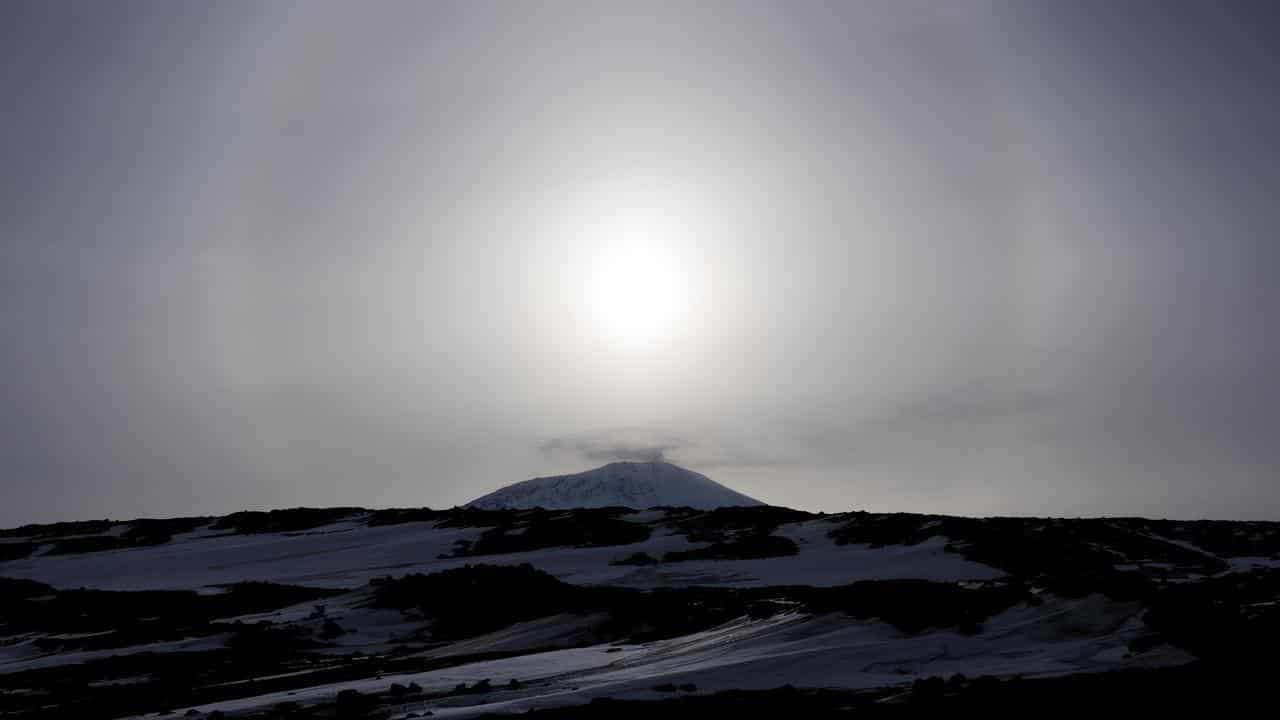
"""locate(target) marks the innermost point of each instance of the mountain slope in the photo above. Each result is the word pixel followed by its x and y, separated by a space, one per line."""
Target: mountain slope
pixel 627 484
pixel 479 612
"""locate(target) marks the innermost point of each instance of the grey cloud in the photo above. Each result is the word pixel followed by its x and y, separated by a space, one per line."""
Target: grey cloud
pixel 992 256
pixel 618 445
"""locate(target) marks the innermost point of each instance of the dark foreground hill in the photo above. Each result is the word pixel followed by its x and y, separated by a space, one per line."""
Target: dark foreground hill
pixel 613 612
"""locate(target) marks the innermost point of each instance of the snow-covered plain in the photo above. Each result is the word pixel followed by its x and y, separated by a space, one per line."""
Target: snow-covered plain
pixel 1061 636
pixel 348 554
pixel 566 658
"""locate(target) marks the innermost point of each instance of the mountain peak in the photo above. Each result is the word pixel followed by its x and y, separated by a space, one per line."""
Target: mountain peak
pixel 627 484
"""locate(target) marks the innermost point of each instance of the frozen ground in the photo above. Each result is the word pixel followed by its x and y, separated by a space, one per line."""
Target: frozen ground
pixel 1061 636
pixel 572 653
pixel 348 554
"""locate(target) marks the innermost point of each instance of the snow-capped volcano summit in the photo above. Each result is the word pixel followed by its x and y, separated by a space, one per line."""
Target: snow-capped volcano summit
pixel 629 484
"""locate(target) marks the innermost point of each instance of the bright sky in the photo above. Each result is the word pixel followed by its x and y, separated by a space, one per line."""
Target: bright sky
pixel 971 257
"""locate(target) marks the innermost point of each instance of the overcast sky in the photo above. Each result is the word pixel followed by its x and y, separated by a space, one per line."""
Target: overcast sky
pixel 965 257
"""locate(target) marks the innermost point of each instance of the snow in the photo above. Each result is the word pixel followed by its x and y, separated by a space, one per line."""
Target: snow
pixel 626 484
pixel 820 562
pixel 563 630
pixel 1182 544
pixel 1246 564
pixel 353 557
pixel 560 659
pixel 342 559
pixel 26 656
pixel 1061 636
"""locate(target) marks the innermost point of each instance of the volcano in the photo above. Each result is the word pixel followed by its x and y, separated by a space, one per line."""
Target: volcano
pixel 626 484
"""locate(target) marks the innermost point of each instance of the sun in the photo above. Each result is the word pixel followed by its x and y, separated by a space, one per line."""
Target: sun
pixel 637 292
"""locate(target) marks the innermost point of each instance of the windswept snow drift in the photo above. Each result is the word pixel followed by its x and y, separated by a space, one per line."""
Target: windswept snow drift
pixel 785 580
pixel 1061 636
pixel 349 554
pixel 622 484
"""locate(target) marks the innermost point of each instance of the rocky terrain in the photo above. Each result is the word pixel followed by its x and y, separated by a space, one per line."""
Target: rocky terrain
pixel 603 612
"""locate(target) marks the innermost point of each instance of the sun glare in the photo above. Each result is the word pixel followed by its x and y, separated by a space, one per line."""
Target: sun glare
pixel 637 294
